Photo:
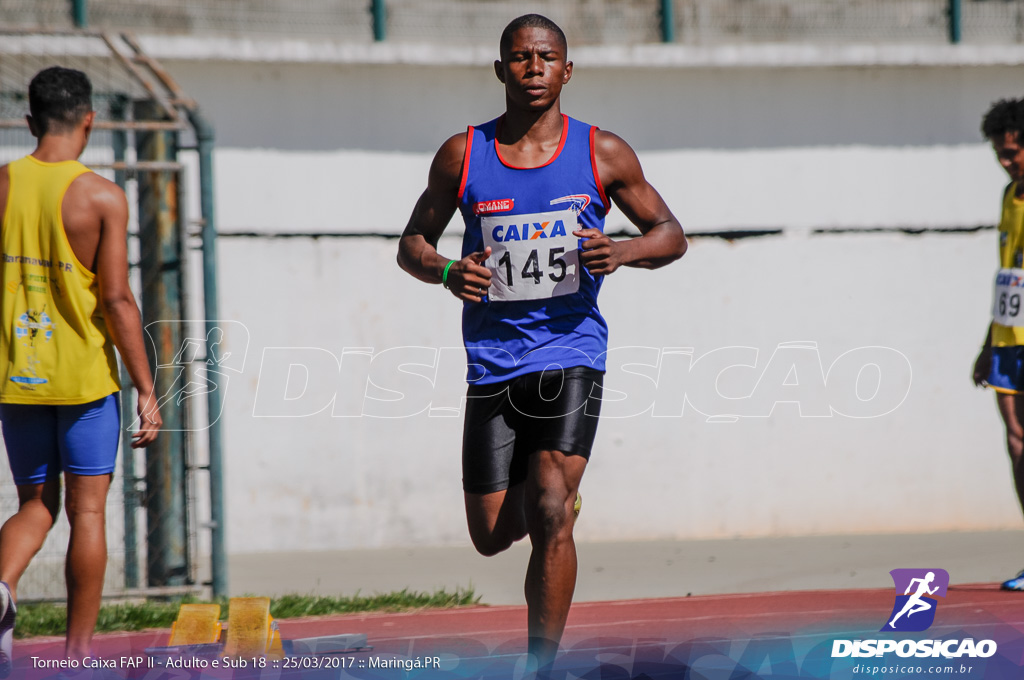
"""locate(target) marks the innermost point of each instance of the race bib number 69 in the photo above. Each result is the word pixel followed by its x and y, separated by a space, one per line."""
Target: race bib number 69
pixel 1007 308
pixel 533 257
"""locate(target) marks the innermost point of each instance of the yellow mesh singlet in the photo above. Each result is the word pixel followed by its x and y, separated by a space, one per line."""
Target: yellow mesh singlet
pixel 54 344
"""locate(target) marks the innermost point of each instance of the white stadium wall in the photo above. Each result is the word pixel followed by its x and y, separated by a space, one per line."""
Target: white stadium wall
pixel 319 164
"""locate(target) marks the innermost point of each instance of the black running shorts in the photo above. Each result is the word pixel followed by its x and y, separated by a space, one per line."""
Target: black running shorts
pixel 555 410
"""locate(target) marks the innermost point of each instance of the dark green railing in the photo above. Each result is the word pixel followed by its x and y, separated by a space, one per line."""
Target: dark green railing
pixel 378 11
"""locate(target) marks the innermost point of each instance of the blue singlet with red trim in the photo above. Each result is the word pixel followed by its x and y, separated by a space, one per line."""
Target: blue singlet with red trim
pixel 541 310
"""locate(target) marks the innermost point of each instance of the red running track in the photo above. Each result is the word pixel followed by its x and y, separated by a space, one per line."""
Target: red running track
pixel 621 629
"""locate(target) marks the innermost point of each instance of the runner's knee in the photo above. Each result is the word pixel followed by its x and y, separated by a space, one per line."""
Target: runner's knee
pixel 490 545
pixel 1015 447
pixel 79 513
pixel 489 539
pixel 49 506
pixel 42 498
pixel 550 515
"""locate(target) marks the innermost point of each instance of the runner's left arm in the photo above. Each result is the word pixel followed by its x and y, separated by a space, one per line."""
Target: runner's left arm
pixel 662 240
pixel 119 308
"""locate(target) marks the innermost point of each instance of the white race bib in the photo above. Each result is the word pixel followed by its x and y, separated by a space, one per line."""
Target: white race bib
pixel 1008 298
pixel 533 257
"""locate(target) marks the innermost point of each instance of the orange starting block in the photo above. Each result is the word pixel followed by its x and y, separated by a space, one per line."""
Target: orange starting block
pixel 251 629
pixel 197 624
pixel 250 632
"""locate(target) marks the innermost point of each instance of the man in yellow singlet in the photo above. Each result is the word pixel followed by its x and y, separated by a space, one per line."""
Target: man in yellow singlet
pixel 1001 362
pixel 65 304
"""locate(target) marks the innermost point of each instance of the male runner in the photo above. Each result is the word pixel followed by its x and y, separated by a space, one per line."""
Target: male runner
pixel 1000 365
pixel 64 305
pixel 533 187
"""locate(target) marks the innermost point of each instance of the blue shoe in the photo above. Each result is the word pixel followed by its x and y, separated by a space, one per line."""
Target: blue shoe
pixel 8 611
pixel 1015 583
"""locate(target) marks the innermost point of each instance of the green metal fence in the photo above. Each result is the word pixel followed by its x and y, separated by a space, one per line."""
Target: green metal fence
pixel 585 21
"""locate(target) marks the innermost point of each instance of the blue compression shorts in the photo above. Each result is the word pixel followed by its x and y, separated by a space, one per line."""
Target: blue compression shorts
pixel 42 440
pixel 1007 372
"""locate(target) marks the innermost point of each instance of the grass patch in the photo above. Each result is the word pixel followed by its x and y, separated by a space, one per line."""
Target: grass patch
pixel 292 606
pixel 51 619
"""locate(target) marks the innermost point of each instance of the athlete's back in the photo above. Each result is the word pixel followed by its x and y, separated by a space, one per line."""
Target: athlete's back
pixel 65 303
pixel 50 298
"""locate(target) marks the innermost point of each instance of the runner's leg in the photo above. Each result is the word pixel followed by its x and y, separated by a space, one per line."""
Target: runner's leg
pixel 31 440
pixel 24 533
pixel 90 437
pixel 87 557
pixel 550 494
pixel 1011 408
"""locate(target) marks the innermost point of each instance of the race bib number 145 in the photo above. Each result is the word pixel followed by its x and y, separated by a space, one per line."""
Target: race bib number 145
pixel 1007 308
pixel 533 257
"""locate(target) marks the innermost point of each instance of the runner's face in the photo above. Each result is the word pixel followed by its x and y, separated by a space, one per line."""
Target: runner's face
pixel 534 69
pixel 1010 154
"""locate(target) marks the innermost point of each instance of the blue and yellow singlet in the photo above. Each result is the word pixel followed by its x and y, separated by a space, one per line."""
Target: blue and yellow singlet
pixel 54 343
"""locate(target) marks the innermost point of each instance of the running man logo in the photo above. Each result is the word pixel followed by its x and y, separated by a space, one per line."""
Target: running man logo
pixel 914 610
pixel 577 202
pixel 200 364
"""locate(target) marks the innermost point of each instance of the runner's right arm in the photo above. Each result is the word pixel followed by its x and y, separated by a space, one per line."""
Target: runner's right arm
pixel 417 249
pixel 119 308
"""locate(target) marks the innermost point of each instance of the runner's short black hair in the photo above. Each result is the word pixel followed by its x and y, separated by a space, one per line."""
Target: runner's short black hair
pixel 529 21
pixel 58 98
pixel 1006 115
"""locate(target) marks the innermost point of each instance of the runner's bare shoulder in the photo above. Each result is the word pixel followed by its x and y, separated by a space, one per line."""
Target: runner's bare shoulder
pixel 616 155
pixel 94 193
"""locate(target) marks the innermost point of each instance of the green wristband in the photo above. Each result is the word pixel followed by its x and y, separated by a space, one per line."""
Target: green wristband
pixel 444 276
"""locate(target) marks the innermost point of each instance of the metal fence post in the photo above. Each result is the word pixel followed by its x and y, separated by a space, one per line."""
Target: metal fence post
pixel 80 13
pixel 380 20
pixel 668 22
pixel 119 143
pixel 218 522
pixel 955 21
pixel 160 250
